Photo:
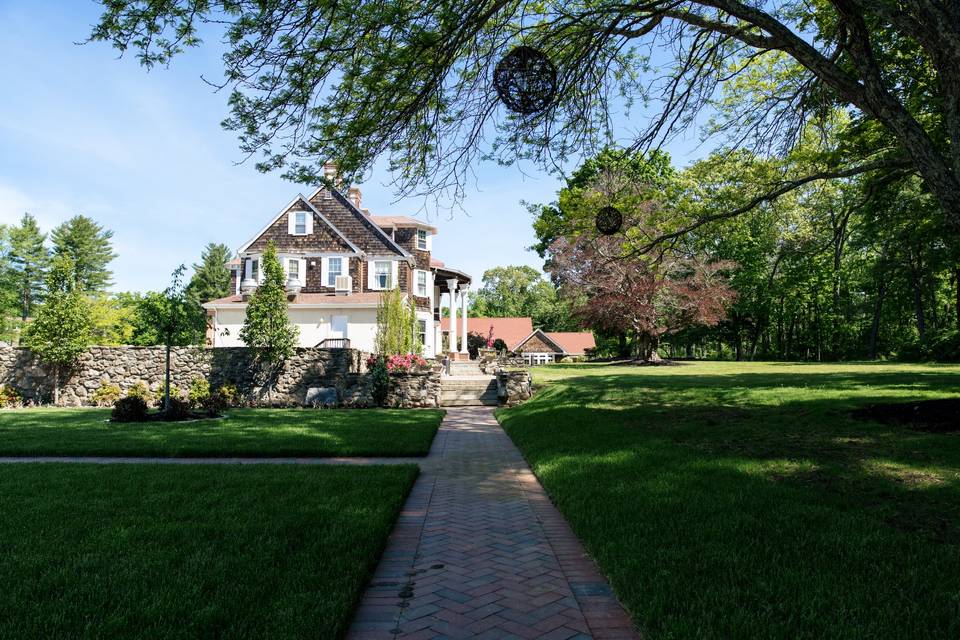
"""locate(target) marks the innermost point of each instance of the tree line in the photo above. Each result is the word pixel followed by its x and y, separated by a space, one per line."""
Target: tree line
pixel 859 268
pixel 34 265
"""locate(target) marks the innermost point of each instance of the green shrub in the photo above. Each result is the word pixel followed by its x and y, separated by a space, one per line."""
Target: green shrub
pixel 500 345
pixel 199 391
pixel 380 378
pixel 178 409
pixel 142 391
pixel 129 409
pixel 10 397
pixel 229 394
pixel 106 394
pixel 215 403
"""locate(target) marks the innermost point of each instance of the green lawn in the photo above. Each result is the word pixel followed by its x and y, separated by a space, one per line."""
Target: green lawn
pixel 735 500
pixel 158 551
pixel 244 432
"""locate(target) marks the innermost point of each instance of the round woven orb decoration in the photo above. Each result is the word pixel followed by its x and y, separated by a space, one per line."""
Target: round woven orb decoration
pixel 526 80
pixel 609 220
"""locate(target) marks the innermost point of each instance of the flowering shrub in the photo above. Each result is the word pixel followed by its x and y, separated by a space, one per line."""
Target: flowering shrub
pixel 398 363
pixel 490 338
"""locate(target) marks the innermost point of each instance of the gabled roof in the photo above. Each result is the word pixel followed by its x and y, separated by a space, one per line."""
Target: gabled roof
pixel 574 343
pixel 402 221
pixel 510 330
pixel 347 215
pixel 544 336
pixel 304 200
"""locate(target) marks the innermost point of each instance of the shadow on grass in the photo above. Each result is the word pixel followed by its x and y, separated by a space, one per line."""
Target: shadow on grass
pixel 752 504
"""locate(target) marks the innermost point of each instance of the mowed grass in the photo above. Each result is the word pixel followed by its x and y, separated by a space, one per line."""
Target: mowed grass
pixel 205 551
pixel 736 500
pixel 243 432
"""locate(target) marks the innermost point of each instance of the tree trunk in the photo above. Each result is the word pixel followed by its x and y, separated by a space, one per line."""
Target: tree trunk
pixel 624 350
pixel 877 313
pixel 647 348
pixel 56 386
pixel 918 307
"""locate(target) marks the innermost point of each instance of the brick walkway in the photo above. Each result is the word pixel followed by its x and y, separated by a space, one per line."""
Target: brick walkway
pixel 480 552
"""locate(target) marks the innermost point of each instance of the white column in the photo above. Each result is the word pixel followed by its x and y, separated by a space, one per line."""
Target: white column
pixel 464 293
pixel 452 288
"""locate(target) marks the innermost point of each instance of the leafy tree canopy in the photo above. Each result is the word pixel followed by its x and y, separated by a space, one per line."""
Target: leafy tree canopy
pixel 354 80
pixel 520 291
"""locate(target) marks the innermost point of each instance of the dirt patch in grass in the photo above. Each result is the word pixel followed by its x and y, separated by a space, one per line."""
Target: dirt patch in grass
pixel 928 415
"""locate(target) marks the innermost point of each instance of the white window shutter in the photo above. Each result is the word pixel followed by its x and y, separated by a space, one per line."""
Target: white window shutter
pixel 394 272
pixel 309 222
pixel 303 271
pixel 370 272
pixel 291 222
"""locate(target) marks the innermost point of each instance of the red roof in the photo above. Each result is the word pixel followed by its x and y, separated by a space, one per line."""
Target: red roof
pixel 575 343
pixel 510 330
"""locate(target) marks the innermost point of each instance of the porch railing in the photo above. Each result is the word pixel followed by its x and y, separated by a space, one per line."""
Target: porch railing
pixel 334 343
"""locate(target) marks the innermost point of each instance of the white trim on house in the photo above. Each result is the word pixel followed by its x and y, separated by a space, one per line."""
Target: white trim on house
pixel 394 274
pixel 315 211
pixel 427 285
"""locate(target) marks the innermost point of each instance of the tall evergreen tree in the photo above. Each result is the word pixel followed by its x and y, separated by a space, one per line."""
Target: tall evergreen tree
pixel 29 260
pixel 267 328
pixel 88 245
pixel 211 278
pixel 63 328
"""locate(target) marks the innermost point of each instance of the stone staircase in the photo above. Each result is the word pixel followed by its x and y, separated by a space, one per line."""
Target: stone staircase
pixel 468 391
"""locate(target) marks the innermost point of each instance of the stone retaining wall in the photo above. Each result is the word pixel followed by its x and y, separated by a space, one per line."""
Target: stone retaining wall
pixel 341 369
pixel 513 387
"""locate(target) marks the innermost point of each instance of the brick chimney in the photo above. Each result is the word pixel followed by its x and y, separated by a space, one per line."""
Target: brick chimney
pixel 353 194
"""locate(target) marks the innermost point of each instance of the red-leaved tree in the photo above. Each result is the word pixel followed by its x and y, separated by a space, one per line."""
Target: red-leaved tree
pixel 644 296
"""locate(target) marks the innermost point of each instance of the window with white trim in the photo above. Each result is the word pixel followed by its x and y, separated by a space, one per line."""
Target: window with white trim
pixel 422 239
pixel 382 270
pixel 334 270
pixel 255 270
pixel 293 269
pixel 300 223
pixel 422 332
pixel 421 283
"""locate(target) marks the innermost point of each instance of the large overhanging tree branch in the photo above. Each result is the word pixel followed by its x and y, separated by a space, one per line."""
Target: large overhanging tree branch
pixel 358 79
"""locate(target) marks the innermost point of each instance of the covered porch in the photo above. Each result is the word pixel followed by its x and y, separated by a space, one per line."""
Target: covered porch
pixel 451 288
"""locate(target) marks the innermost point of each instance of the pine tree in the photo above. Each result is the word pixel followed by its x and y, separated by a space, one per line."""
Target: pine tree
pixel 29 260
pixel 267 328
pixel 211 278
pixel 63 328
pixel 88 245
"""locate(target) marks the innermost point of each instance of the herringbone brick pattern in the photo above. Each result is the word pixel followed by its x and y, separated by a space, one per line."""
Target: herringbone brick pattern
pixel 479 551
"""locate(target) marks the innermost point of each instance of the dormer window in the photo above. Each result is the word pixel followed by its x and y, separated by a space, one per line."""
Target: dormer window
pixel 422 239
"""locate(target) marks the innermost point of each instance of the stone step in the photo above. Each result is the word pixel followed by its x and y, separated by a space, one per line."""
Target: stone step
pixel 468 384
pixel 462 396
pixel 471 402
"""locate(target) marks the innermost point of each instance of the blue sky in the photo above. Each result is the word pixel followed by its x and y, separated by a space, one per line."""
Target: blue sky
pixel 82 131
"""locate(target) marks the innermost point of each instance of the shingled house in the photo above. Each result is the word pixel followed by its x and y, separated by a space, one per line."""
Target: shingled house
pixel 339 259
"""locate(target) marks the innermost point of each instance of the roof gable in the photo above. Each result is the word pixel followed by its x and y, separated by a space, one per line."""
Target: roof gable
pixel 326 230
pixel 369 237
pixel 543 337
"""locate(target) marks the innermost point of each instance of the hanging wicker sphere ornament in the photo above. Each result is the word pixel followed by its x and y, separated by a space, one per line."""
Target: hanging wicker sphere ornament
pixel 526 80
pixel 609 220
